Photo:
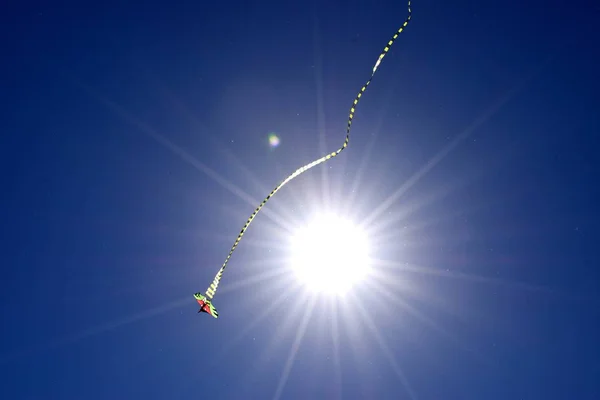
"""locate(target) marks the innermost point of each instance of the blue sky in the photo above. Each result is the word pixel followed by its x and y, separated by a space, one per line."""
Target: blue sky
pixel 134 145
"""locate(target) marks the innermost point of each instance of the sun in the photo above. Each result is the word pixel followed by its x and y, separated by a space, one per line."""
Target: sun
pixel 330 254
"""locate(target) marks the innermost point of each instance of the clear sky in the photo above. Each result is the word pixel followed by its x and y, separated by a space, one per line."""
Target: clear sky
pixel 134 143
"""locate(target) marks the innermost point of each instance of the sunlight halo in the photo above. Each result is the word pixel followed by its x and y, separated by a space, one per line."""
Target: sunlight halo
pixel 330 254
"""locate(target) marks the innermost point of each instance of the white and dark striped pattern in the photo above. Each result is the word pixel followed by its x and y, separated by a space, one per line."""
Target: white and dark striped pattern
pixel 210 292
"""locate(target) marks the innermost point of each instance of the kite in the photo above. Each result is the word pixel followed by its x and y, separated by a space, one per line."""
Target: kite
pixel 205 300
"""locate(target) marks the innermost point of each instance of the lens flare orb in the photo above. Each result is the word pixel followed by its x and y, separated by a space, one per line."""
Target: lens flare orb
pixel 273 140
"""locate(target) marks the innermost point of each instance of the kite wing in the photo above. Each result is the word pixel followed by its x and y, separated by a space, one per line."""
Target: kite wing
pixel 206 305
pixel 210 292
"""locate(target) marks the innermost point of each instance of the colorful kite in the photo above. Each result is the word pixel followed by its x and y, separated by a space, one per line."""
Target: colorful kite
pixel 205 301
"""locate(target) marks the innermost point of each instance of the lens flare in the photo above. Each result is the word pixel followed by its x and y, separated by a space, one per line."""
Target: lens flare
pixel 273 140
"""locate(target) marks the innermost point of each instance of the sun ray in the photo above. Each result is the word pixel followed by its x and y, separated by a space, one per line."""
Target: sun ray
pixel 476 124
pixel 166 143
pixel 381 287
pixel 443 273
pixel 283 326
pixel 318 72
pixel 335 335
pixel 96 330
pixel 353 191
pixel 294 349
pixel 406 211
pixel 256 278
pixel 386 352
pixel 258 319
pixel 277 214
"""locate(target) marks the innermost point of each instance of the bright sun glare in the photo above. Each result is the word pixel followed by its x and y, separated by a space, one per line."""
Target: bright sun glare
pixel 330 254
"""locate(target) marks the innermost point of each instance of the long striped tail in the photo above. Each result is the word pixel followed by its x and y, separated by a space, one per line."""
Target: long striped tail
pixel 210 292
